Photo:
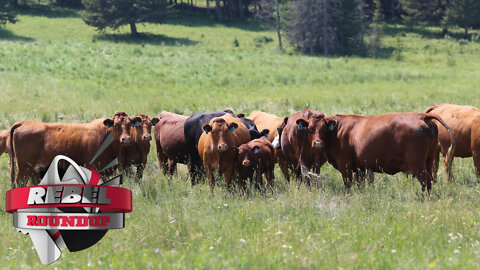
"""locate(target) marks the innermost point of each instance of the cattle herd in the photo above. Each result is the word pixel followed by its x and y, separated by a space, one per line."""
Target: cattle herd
pixel 243 148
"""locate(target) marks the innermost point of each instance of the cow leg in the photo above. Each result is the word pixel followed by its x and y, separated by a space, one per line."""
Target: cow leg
pixel 140 169
pixel 436 161
pixel 172 166
pixel 269 175
pixel 347 176
pixel 425 178
pixel 227 176
pixel 211 177
pixel 371 177
pixel 258 181
pixel 476 163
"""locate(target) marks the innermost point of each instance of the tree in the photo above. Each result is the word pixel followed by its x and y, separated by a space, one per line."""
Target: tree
pixel 463 13
pixel 270 13
pixel 328 26
pixel 377 28
pixel 115 13
pixel 422 11
pixel 6 15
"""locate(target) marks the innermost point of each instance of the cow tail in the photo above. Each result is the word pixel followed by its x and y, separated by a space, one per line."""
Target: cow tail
pixel 431 108
pixel 12 154
pixel 451 149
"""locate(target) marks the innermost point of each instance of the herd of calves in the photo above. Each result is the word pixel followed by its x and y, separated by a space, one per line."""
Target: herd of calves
pixel 243 148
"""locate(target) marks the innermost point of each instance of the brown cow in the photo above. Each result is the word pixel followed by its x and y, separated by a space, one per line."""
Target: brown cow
pixel 4 134
pixel 216 146
pixel 33 145
pixel 274 124
pixel 170 141
pixel 254 159
pixel 301 142
pixel 136 153
pixel 464 121
pixel 389 143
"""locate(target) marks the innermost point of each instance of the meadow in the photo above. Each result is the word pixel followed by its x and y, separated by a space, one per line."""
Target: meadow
pixel 53 67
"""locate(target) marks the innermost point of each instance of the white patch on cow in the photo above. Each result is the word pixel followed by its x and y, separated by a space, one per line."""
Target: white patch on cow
pixel 276 142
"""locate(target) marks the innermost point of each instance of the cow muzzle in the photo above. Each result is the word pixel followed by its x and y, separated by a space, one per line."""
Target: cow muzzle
pixel 222 147
pixel 246 163
pixel 125 140
pixel 147 137
pixel 318 144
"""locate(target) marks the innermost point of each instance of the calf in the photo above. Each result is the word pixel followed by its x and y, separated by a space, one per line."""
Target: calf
pixel 170 141
pixel 33 145
pixel 464 121
pixel 216 146
pixel 136 153
pixel 302 142
pixel 389 143
pixel 4 134
pixel 193 130
pixel 253 159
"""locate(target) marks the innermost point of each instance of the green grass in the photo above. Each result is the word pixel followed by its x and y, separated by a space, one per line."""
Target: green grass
pixel 55 68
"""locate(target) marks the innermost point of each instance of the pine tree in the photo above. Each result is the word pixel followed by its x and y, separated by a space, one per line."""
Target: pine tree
pixel 377 28
pixel 463 13
pixel 6 15
pixel 422 11
pixel 103 14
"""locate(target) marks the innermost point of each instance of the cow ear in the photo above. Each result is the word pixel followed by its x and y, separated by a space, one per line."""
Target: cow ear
pixel 233 127
pixel 302 124
pixel 155 121
pixel 229 111
pixel 108 122
pixel 240 115
pixel 207 128
pixel 265 133
pixel 332 124
pixel 256 149
pixel 135 121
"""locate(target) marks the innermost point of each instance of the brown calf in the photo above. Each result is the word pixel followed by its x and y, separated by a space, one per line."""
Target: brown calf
pixel 254 159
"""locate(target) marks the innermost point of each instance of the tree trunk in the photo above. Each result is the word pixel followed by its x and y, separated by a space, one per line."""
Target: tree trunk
pixel 208 7
pixel 277 19
pixel 466 32
pixel 133 30
pixel 230 9
pixel 325 32
pixel 240 8
pixel 219 10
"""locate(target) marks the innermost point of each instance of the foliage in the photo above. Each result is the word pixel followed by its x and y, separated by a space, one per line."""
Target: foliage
pixel 463 13
pixel 6 15
pixel 423 11
pixel 115 13
pixel 328 26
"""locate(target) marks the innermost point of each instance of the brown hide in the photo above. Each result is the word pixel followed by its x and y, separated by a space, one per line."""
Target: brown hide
pixel 170 141
pixel 464 121
pixel 4 134
pixel 253 159
pixel 136 153
pixel 35 144
pixel 389 143
pixel 216 148
pixel 304 146
pixel 268 121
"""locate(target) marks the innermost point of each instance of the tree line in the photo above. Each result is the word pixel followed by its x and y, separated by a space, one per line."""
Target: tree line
pixel 313 26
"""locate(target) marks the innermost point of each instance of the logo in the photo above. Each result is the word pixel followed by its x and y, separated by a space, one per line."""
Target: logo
pixel 74 211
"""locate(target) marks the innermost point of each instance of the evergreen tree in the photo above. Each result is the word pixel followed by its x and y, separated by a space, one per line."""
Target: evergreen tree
pixel 377 28
pixel 423 11
pixel 463 13
pixel 115 13
pixel 6 15
pixel 328 26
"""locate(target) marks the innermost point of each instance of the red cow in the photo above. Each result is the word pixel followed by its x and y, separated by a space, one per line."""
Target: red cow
pixel 389 143
pixel 170 141
pixel 216 146
pixel 33 145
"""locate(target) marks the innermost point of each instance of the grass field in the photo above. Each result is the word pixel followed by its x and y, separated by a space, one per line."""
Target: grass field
pixel 55 68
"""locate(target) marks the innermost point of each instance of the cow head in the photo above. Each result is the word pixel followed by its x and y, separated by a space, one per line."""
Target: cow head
pixel 120 125
pixel 314 128
pixel 220 133
pixel 246 156
pixel 144 129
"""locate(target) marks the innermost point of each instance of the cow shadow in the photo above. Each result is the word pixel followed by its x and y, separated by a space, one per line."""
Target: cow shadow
pixel 48 11
pixel 146 38
pixel 9 35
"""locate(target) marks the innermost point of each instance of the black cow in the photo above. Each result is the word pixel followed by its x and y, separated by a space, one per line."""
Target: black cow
pixel 193 130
